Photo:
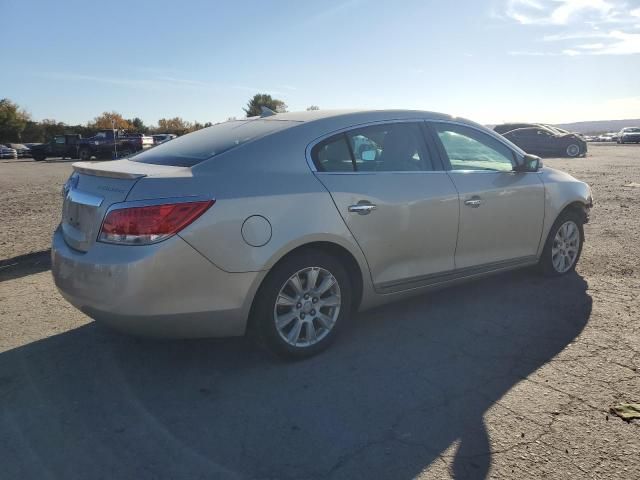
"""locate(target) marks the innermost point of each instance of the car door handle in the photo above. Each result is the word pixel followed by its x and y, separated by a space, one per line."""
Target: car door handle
pixel 362 208
pixel 474 203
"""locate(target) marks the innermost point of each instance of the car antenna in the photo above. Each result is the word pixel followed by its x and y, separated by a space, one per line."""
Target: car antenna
pixel 266 112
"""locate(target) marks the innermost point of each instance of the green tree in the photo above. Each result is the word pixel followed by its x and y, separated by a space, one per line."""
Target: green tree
pixel 52 128
pixel 13 121
pixel 110 120
pixel 138 125
pixel 264 100
pixel 33 132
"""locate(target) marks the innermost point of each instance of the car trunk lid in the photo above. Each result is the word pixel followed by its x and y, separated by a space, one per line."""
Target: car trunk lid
pixel 94 187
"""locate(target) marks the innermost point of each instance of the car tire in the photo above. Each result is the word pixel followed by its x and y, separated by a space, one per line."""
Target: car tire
pixel 562 249
pixel 573 150
pixel 39 157
pixel 84 154
pixel 296 319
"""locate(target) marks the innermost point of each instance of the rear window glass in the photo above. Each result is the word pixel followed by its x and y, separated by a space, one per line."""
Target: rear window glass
pixel 191 149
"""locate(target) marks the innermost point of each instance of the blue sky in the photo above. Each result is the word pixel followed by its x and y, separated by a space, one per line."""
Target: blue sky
pixel 494 61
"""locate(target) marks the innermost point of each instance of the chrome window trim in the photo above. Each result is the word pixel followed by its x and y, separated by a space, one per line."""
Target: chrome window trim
pixel 356 126
pixel 400 172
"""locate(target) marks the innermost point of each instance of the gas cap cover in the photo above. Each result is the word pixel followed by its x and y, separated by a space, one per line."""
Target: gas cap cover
pixel 256 231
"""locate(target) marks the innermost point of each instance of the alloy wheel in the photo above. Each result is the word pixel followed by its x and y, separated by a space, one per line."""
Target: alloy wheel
pixel 566 245
pixel 307 307
pixel 573 150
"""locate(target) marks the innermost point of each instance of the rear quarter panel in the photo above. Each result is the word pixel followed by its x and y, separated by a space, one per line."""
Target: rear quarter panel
pixel 268 177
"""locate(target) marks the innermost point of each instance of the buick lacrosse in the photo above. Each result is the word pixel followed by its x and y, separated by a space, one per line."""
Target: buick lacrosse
pixel 285 224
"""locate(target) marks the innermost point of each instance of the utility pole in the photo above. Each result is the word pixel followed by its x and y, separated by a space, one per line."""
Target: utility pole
pixel 115 142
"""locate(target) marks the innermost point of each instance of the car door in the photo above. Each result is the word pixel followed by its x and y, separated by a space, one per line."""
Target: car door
pixel 546 143
pixel 395 198
pixel 58 146
pixel 501 211
pixel 525 138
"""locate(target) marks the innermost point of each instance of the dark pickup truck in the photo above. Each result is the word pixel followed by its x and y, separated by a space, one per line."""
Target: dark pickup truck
pixel 60 146
pixel 112 144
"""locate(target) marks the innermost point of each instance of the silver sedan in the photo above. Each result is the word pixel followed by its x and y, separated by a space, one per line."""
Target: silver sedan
pixel 284 225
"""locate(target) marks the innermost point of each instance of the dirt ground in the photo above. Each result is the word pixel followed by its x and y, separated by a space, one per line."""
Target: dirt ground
pixel 507 377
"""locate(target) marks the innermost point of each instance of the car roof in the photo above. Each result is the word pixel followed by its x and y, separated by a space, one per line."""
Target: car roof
pixel 317 122
pixel 364 115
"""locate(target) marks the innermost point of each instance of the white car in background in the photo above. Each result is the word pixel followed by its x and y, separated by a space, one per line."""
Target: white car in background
pixel 8 152
pixel 163 137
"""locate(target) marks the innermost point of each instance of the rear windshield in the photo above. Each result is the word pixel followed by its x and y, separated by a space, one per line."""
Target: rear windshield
pixel 191 149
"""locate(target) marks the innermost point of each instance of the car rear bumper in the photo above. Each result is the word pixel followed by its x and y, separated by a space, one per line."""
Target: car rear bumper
pixel 166 289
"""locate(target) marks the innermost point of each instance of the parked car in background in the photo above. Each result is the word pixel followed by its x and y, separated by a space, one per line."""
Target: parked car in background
pixel 162 137
pixel 22 150
pixel 607 137
pixel 65 146
pixel 507 127
pixel 279 226
pixel 629 135
pixel 545 142
pixel 109 144
pixel 7 152
pixel 141 140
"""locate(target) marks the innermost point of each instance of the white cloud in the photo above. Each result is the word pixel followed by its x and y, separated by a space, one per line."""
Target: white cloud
pixel 616 43
pixel 557 12
pixel 612 23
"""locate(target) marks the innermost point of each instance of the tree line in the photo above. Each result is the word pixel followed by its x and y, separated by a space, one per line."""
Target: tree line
pixel 17 126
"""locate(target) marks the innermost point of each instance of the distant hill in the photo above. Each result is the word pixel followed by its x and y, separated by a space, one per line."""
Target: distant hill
pixel 593 127
pixel 599 126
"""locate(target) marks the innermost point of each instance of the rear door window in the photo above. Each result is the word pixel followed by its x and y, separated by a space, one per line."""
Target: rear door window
pixel 333 155
pixel 193 148
pixel 387 147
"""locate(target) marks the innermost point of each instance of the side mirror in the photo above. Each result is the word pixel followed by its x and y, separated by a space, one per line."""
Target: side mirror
pixel 530 163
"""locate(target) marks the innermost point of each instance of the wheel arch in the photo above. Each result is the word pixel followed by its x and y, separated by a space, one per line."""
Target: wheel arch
pixel 347 259
pixel 578 207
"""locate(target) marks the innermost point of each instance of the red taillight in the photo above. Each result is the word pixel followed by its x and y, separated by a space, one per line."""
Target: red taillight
pixel 150 224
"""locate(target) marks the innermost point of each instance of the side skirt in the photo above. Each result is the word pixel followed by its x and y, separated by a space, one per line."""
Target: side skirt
pixel 441 279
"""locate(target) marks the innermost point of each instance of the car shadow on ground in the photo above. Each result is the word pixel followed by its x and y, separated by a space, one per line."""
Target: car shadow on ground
pixel 399 387
pixel 23 265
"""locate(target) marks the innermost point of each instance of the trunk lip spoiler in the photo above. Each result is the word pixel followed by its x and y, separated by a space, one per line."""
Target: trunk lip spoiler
pixel 91 169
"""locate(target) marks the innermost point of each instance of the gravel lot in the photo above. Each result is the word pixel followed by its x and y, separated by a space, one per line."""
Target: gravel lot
pixel 507 377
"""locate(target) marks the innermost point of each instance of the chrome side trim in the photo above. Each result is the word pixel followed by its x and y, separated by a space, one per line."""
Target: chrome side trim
pixel 457 274
pixel 404 172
